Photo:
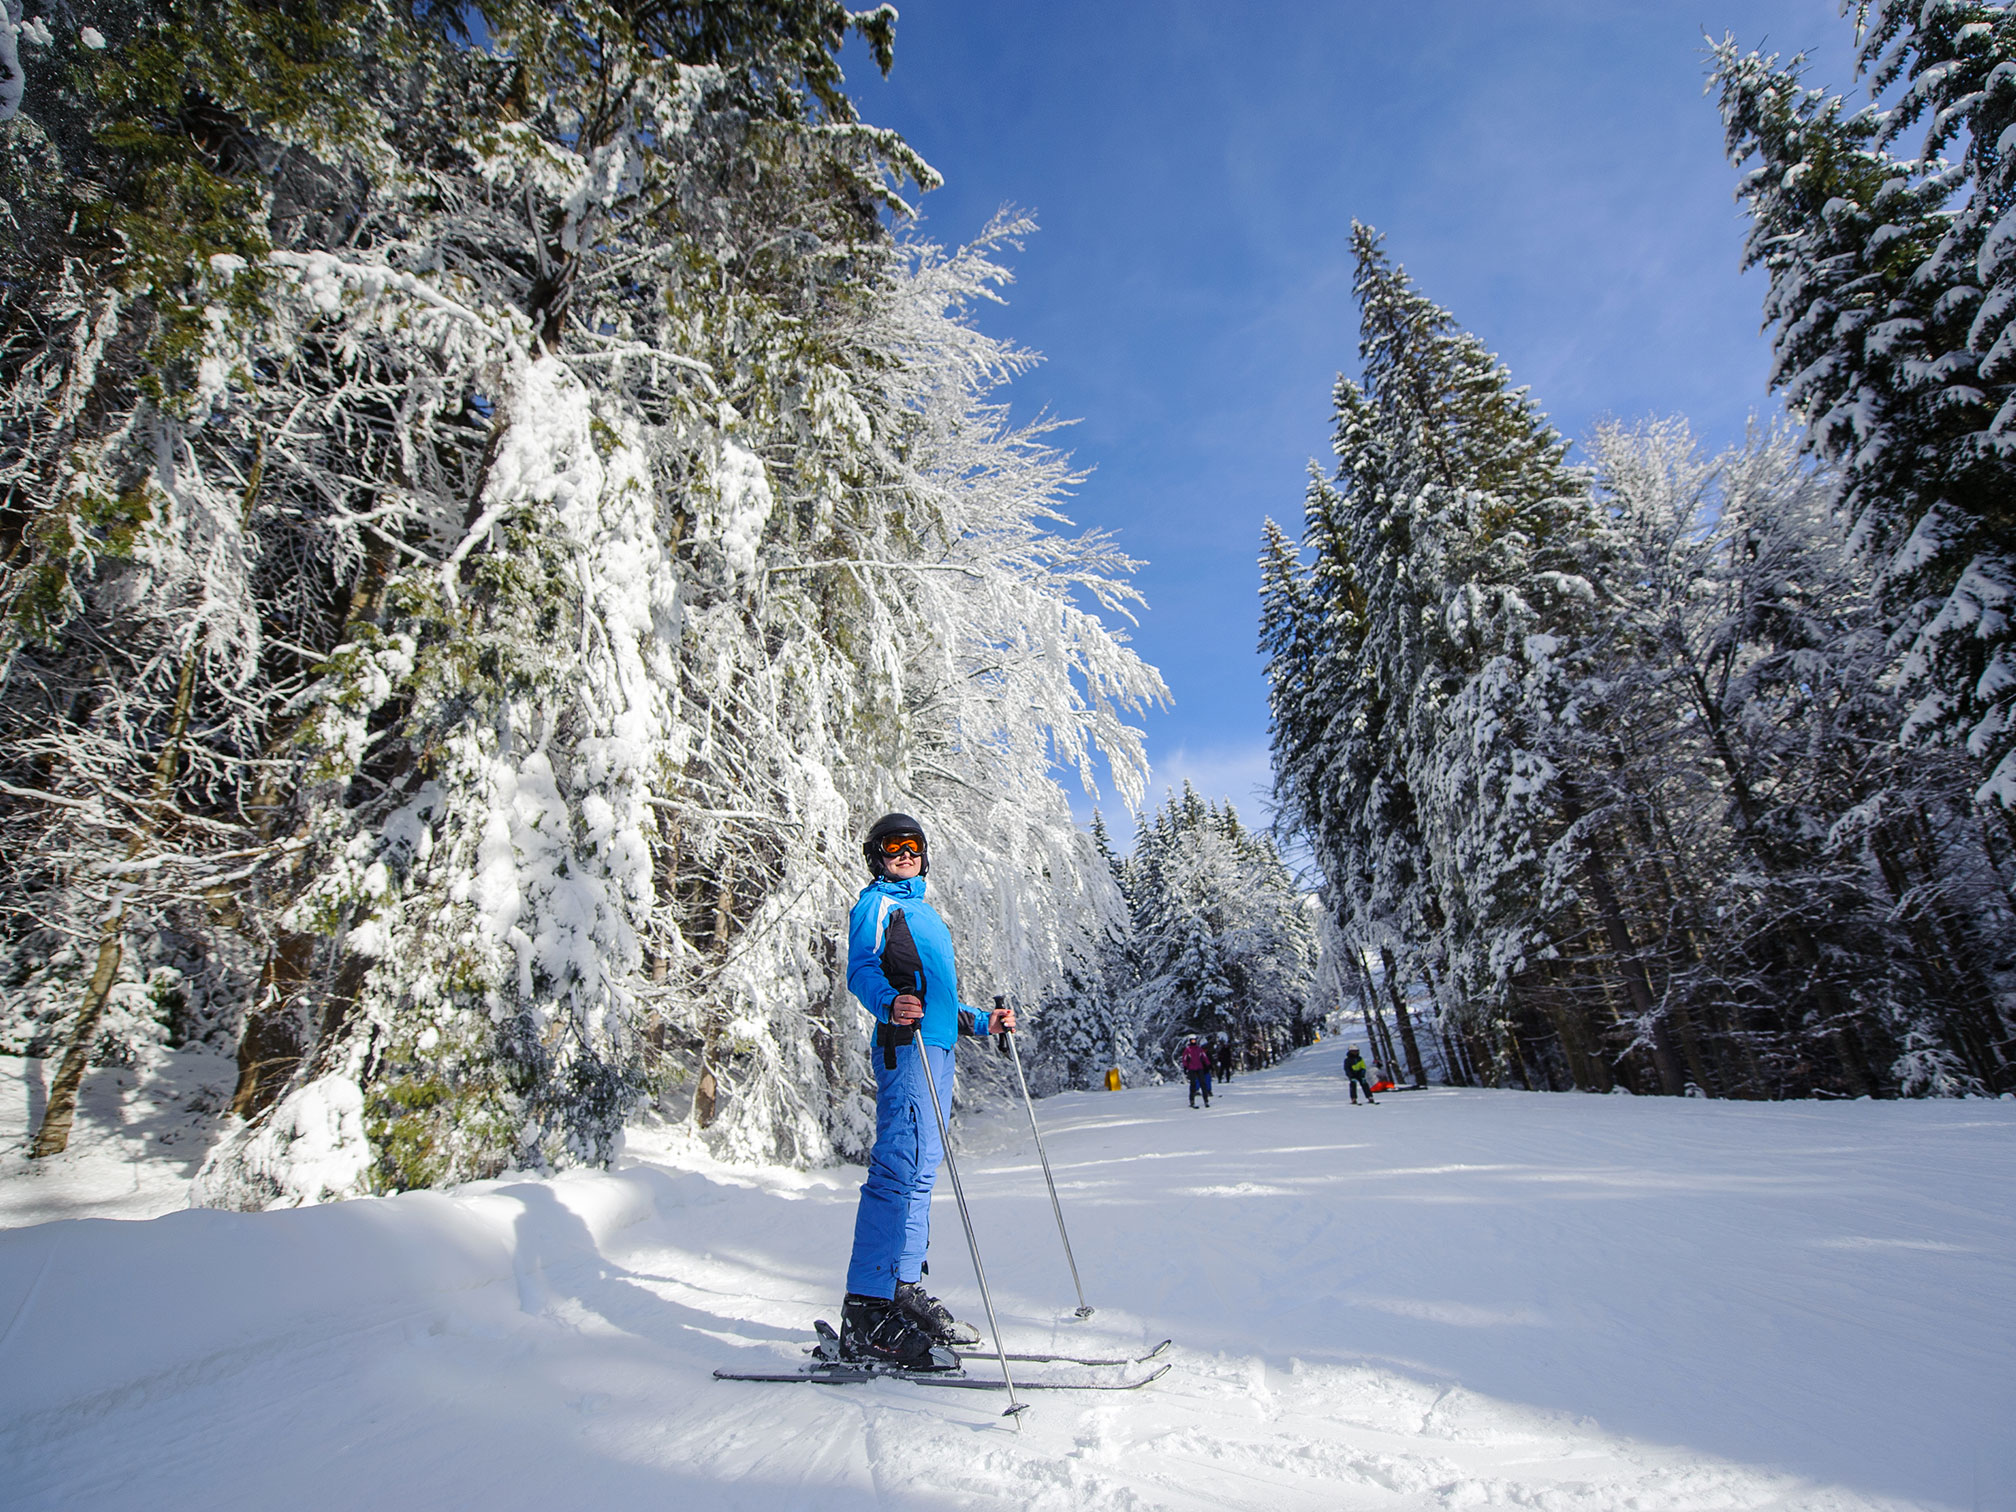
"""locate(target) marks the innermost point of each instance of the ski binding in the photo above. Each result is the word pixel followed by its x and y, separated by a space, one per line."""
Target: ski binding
pixel 826 1368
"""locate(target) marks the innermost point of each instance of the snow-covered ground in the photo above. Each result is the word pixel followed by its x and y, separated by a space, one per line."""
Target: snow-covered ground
pixel 1453 1299
pixel 140 1136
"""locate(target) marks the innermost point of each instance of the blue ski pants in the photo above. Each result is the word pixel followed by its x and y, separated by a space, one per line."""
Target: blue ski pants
pixel 892 1226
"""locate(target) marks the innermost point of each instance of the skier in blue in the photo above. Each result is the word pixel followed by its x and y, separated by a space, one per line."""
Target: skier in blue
pixel 888 1316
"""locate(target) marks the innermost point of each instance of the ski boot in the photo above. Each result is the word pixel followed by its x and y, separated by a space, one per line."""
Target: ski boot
pixel 875 1331
pixel 932 1316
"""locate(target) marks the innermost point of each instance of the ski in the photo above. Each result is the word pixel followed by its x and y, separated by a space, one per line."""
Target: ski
pixel 850 1375
pixel 981 1383
pixel 1064 1359
pixel 982 1353
pixel 828 1369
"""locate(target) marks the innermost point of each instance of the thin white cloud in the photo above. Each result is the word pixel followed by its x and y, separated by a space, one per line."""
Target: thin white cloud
pixel 1241 774
pixel 1238 773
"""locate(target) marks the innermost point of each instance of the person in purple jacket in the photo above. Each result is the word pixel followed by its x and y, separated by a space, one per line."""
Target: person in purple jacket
pixel 887 1315
pixel 1196 1060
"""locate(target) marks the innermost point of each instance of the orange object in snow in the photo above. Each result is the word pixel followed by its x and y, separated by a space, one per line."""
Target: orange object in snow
pixel 1113 1080
pixel 1384 1086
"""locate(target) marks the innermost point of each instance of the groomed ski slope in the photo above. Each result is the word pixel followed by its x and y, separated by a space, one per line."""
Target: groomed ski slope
pixel 1453 1299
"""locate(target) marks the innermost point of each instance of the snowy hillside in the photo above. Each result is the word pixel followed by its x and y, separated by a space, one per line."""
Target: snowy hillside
pixel 1456 1298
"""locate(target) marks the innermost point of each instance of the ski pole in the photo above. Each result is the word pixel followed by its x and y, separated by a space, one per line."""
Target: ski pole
pixel 1014 1408
pixel 1084 1308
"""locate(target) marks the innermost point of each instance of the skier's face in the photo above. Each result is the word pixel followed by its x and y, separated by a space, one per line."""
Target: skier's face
pixel 902 857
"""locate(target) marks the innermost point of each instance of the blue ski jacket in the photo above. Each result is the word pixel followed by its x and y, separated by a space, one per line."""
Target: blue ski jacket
pixel 945 1017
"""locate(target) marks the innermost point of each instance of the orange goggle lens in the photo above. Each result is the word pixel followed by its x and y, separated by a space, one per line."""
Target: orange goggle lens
pixel 902 845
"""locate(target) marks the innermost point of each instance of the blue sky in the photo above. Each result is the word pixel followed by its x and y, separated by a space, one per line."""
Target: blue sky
pixel 1549 170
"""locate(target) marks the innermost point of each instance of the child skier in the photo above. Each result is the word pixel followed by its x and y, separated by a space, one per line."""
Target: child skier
pixel 888 1316
pixel 1354 1067
pixel 1197 1061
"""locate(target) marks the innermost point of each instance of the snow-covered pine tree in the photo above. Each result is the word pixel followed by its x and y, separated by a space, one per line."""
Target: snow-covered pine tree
pixel 1893 289
pixel 621 519
pixel 1223 943
pixel 1417 674
pixel 1508 539
pixel 1338 708
pixel 1083 1028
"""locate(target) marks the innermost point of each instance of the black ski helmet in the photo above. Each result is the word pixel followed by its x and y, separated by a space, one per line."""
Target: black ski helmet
pixel 893 824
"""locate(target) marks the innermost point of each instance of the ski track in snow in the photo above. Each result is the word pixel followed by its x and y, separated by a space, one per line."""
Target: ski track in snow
pixel 1454 1299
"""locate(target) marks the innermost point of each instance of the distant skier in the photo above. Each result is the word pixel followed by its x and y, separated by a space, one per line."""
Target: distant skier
pixel 1354 1067
pixel 1196 1060
pixel 888 1316
pixel 1222 1054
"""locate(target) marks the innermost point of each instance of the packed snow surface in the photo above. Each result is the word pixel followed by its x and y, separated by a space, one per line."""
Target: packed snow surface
pixel 1457 1298
pixel 141 1134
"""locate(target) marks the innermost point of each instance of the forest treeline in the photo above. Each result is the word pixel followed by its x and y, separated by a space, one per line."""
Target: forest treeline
pixel 1678 772
pixel 491 507
pixel 1217 938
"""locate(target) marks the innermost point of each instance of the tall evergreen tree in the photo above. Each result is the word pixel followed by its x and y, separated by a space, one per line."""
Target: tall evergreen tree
pixel 1085 1026
pixel 1448 573
pixel 1892 287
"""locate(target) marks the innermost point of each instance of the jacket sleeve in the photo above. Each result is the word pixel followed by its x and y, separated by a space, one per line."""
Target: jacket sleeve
pixel 864 960
pixel 974 1021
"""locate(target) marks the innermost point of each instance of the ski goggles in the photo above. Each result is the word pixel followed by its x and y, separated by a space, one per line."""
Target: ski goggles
pixel 896 846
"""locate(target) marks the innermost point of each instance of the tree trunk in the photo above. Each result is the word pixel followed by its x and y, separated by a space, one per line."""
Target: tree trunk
pixel 1681 917
pixel 277 1032
pixel 1483 1068
pixel 1435 997
pixel 54 1135
pixel 825 1043
pixel 1970 1018
pixel 1739 784
pixel 1849 1054
pixel 53 1138
pixel 1588 1072
pixel 707 1095
pixel 1456 1076
pixel 1636 983
pixel 1516 1058
pixel 1690 1050
pixel 1382 1041
pixel 1400 1018
pixel 272 1042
